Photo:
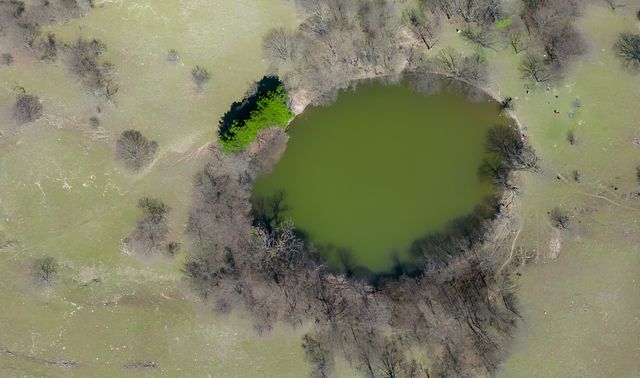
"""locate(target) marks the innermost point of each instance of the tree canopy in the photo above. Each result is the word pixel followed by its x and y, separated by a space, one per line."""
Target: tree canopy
pixel 271 110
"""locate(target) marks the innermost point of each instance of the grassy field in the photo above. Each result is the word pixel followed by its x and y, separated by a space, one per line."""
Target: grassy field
pixel 63 195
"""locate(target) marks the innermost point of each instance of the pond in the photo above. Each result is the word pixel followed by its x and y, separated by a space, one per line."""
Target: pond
pixel 382 166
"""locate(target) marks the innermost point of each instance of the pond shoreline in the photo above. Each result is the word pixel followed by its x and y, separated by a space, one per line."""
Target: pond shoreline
pixel 447 87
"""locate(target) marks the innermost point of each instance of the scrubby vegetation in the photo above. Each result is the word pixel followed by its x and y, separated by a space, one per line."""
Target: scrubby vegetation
pixel 48 47
pixel 135 150
pixel 28 108
pixel 173 56
pixel 265 105
pixel 83 58
pixel 628 49
pixel 560 219
pixel 6 59
pixel 44 269
pixel 200 76
pixel 150 234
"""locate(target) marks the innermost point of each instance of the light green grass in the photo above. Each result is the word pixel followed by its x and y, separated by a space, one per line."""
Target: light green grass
pixel 62 194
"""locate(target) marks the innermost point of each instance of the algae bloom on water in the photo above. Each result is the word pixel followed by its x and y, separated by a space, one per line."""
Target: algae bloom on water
pixel 379 168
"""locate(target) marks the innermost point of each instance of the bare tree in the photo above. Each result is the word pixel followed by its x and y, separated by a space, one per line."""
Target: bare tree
pixel 279 45
pixel 83 58
pixel 628 49
pixel 559 218
pixel 499 173
pixel 447 7
pixel 615 4
pixel 200 76
pixel 423 25
pixel 515 35
pixel 319 356
pixel 507 143
pixel 450 61
pixel 48 48
pixel 478 36
pixel 28 108
pixel 471 69
pixel 6 59
pixel 45 268
pixel 534 68
pixel 135 150
pixel 150 232
pixel 391 360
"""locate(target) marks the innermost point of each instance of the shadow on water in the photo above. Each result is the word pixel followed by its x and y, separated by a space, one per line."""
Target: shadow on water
pixel 427 252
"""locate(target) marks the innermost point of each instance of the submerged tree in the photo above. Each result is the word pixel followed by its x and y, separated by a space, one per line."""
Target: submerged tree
pixel 135 150
pixel 628 49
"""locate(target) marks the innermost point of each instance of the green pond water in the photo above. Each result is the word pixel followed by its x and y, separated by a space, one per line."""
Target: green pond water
pixel 381 167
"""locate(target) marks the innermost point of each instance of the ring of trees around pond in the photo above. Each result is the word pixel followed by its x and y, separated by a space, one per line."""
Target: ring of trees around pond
pixel 248 255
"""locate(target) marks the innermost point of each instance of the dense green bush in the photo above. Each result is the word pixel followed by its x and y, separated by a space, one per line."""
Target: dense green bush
pixel 271 110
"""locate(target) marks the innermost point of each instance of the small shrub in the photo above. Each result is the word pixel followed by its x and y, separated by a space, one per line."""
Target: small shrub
pixel 154 209
pixel 638 173
pixel 19 8
pixel 94 122
pixel 200 76
pixel 507 103
pixel 135 150
pixel 628 49
pixel 576 176
pixel 173 56
pixel 49 48
pixel 173 248
pixel 559 218
pixel 571 137
pixel 27 109
pixel 45 268
pixel 151 231
pixel 476 35
pixel 6 59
